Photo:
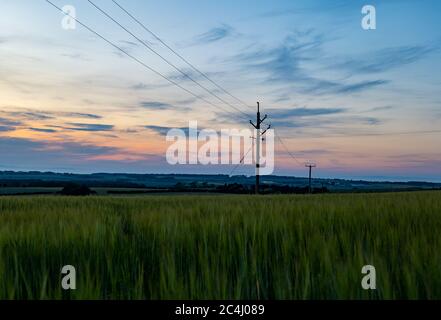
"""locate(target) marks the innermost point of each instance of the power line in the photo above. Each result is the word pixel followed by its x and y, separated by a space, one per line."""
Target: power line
pixel 134 58
pixel 164 59
pixel 287 150
pixel 180 56
pixel 241 161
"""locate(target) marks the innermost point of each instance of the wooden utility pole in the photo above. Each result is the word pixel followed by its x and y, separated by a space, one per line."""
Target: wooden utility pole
pixel 310 166
pixel 259 134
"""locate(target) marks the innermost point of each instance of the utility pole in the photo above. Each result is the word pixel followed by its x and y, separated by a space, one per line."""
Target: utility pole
pixel 259 134
pixel 310 166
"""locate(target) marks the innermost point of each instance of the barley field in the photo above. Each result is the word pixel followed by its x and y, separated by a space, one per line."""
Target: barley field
pixel 222 247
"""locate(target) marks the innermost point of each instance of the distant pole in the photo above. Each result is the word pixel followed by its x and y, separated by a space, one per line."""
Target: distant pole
pixel 259 135
pixel 310 166
pixel 258 149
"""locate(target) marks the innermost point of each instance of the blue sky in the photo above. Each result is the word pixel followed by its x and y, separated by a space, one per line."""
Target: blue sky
pixel 362 104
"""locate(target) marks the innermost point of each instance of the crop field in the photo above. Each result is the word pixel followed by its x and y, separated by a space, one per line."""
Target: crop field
pixel 222 247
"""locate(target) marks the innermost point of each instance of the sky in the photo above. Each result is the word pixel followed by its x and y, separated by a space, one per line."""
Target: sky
pixel 362 104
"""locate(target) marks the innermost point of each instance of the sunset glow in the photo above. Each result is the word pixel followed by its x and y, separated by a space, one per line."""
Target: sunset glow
pixel 361 104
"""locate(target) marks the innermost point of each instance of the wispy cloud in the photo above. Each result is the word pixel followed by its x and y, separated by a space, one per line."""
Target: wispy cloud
pixel 285 65
pixel 7 125
pixel 282 63
pixel 156 105
pixel 21 148
pixel 43 130
pixel 214 35
pixel 386 59
pixel 29 115
pixel 161 130
pixel 164 106
pixel 41 121
pixel 6 128
pixel 126 46
pixel 330 87
pixel 379 109
pixel 129 43
pixel 191 75
pixel 41 115
pixel 140 86
pixel 330 120
pixel 88 127
pixel 78 115
pixel 303 112
pixel 8 122
pixel 73 156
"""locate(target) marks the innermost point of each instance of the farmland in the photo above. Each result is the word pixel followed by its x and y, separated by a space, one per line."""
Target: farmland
pixel 222 247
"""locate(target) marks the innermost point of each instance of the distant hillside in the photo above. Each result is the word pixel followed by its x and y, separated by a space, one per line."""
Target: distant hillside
pixel 40 182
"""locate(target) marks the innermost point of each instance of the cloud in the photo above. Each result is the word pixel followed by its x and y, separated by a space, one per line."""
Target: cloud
pixel 214 35
pixel 303 112
pixel 191 75
pixel 337 88
pixel 89 127
pixel 6 128
pixel 286 63
pixel 282 98
pixel 130 46
pixel 145 86
pixel 8 122
pixel 28 115
pixel 130 43
pixel 69 156
pixel 21 118
pixel 79 115
pixel 8 125
pixel 155 105
pixel 125 49
pixel 43 130
pixel 371 121
pixel 15 147
pixel 382 108
pixel 386 59
pixel 186 101
pixel 282 63
pixel 31 154
pixel 163 106
pixel 307 117
pixel 41 115
pixel 163 130
pixel 140 86
pixel 330 120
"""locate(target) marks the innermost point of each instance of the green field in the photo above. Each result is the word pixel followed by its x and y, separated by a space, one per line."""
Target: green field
pixel 222 247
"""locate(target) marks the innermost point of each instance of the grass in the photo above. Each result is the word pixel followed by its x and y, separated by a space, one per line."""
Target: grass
pixel 222 247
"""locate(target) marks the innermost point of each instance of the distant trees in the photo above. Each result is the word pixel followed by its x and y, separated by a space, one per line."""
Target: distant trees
pixel 268 189
pixel 237 188
pixel 76 190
